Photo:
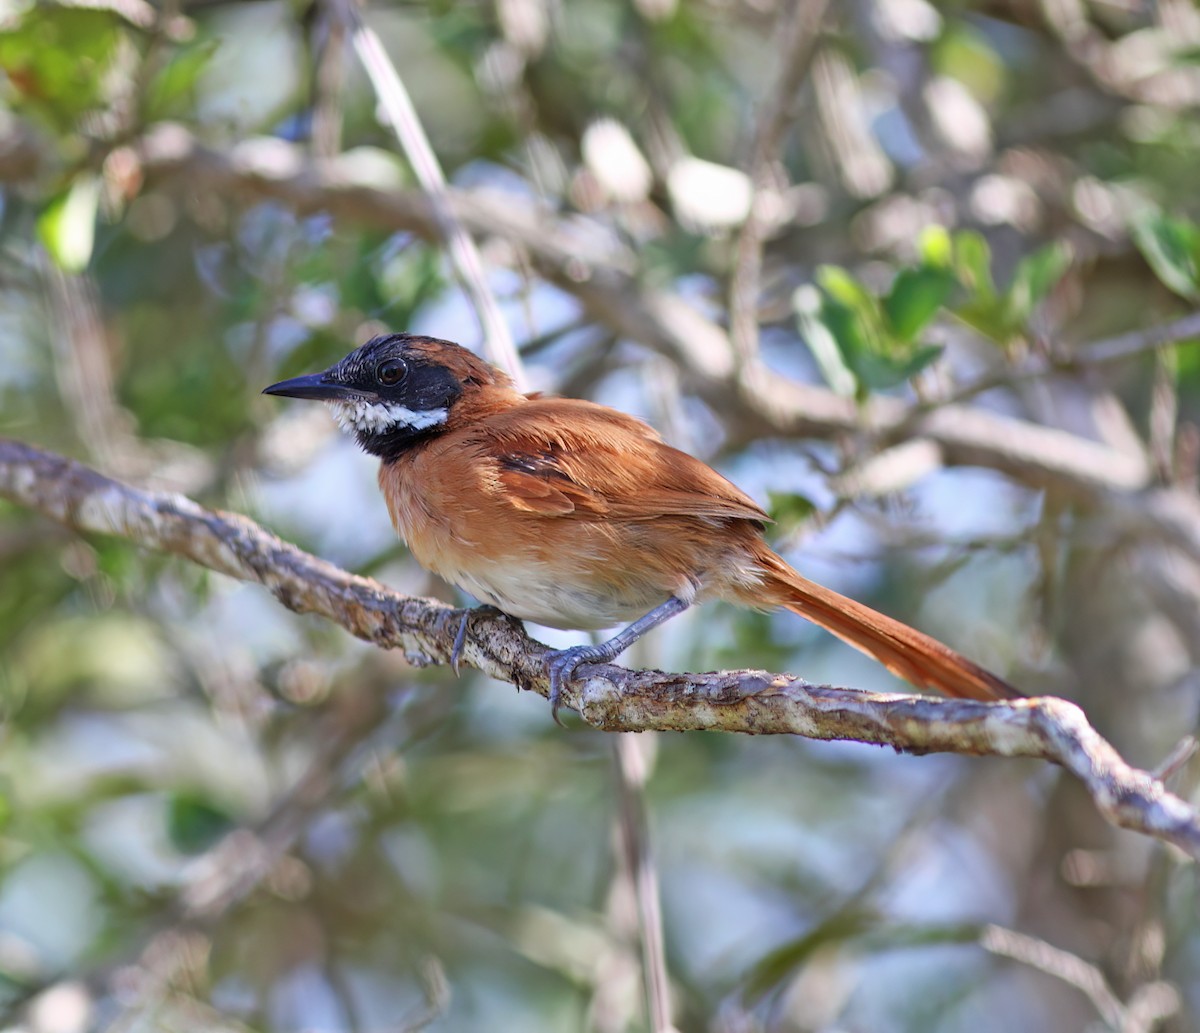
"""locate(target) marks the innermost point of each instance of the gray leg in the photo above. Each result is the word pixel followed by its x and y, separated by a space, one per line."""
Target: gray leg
pixel 562 662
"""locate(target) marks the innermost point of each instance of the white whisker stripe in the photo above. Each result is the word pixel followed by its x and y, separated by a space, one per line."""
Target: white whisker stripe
pixel 380 417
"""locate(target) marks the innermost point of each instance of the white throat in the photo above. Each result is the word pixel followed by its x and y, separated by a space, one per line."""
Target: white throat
pixel 381 417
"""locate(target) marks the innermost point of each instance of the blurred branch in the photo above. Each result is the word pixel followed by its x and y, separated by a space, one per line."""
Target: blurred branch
pixel 1090 355
pixel 173 948
pixel 327 46
pixel 633 828
pixel 1114 349
pixel 858 160
pixel 1177 759
pixel 1150 1004
pixel 406 124
pixel 608 697
pixel 801 29
pixel 83 367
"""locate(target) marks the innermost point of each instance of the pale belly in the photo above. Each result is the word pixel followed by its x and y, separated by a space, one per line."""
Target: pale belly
pixel 534 594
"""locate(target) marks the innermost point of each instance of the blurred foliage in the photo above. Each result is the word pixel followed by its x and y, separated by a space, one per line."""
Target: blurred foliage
pixel 1172 247
pixel 866 343
pixel 59 60
pixel 965 185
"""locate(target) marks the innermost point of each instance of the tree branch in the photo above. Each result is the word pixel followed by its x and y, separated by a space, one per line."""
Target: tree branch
pixel 608 697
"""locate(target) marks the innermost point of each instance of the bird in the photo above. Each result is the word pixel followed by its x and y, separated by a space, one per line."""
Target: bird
pixel 578 516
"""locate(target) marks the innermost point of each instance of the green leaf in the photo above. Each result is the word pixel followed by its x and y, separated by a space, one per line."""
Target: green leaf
pixel 1001 317
pixel 915 298
pixel 982 310
pixel 822 342
pixel 973 263
pixel 193 823
pixel 67 225
pixel 879 372
pixel 783 962
pixel 852 314
pixel 936 247
pixel 176 81
pixel 1172 247
pixel 1034 278
pixel 789 509
pixel 845 289
pixel 915 361
pixel 851 336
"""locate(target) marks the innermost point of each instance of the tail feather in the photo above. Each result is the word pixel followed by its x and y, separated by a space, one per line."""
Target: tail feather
pixel 909 654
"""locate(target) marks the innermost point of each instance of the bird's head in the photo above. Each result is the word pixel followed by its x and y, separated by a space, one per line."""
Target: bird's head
pixel 397 390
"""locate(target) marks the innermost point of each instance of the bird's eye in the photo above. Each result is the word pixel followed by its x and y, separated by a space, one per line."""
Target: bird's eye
pixel 390 372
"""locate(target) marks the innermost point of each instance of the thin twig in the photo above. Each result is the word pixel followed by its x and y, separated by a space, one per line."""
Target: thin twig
pixel 1070 968
pixel 1086 978
pixel 1123 346
pixel 327 44
pixel 395 101
pixel 1174 762
pixel 634 832
pixel 801 29
pixel 1104 352
pixel 83 368
pixel 608 697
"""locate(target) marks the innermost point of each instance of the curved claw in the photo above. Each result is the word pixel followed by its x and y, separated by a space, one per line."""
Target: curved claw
pixel 561 665
pixel 460 637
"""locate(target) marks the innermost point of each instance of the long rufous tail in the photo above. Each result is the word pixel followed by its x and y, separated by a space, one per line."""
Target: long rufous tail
pixel 906 652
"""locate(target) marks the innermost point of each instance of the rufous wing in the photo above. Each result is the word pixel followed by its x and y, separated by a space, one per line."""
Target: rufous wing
pixel 564 457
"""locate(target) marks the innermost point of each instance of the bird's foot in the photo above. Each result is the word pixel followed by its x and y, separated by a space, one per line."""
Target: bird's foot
pixel 561 665
pixel 460 638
